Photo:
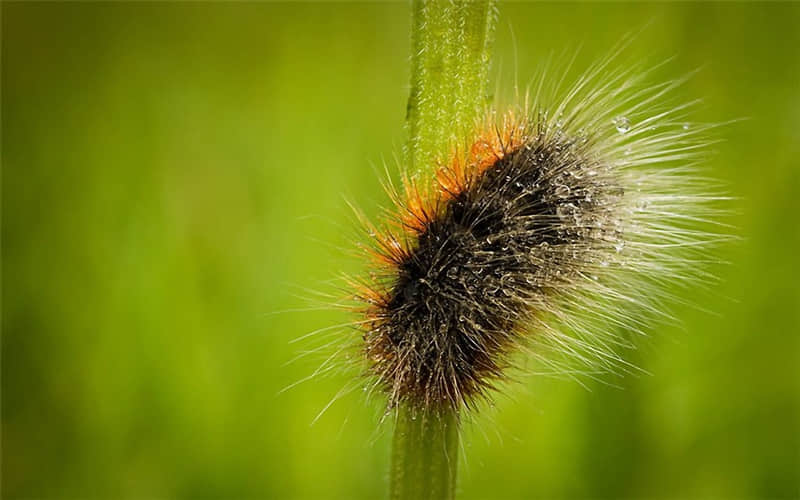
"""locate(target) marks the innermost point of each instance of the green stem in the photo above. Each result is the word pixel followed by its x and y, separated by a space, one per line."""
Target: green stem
pixel 451 48
pixel 424 455
pixel 451 45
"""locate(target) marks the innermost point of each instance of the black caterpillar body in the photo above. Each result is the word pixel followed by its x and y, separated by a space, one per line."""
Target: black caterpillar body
pixel 467 288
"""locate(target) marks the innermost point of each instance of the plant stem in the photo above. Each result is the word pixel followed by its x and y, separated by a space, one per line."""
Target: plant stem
pixel 451 48
pixel 451 45
pixel 424 455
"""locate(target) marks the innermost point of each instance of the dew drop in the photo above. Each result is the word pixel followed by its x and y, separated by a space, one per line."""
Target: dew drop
pixel 531 280
pixel 578 174
pixel 562 191
pixel 619 246
pixel 685 126
pixel 565 210
pixel 622 124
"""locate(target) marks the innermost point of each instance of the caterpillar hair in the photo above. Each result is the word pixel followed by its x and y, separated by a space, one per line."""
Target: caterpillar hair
pixel 557 225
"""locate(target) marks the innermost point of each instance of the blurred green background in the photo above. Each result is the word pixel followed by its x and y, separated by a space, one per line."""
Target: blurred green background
pixel 174 173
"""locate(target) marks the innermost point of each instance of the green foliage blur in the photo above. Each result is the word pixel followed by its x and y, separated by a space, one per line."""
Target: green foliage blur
pixel 174 186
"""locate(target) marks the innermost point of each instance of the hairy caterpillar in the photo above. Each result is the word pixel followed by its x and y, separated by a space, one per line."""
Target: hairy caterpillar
pixel 541 234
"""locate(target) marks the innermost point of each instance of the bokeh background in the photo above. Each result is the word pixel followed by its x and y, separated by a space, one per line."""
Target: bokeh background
pixel 174 176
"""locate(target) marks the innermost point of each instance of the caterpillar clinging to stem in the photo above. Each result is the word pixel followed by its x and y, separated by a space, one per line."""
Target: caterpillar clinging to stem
pixel 547 218
pixel 544 229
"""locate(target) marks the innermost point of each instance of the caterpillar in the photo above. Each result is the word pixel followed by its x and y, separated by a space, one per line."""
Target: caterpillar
pixel 557 225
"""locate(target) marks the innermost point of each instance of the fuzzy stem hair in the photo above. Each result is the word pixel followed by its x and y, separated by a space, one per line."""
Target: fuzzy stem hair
pixel 424 454
pixel 451 48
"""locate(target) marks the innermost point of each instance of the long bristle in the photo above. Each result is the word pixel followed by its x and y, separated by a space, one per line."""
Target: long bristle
pixel 554 228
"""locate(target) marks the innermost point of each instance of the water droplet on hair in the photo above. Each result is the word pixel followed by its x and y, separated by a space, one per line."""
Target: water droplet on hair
pixel 619 246
pixel 685 126
pixel 562 191
pixel 577 174
pixel 565 210
pixel 622 124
